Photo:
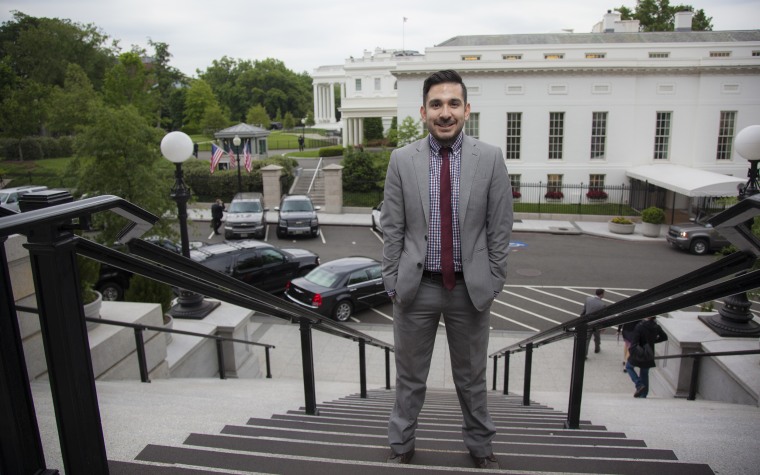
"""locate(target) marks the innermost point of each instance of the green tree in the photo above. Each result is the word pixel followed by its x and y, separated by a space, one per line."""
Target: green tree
pixel 359 172
pixel 167 81
pixel 258 116
pixel 288 122
pixel 119 155
pixel 214 119
pixel 409 131
pixel 373 128
pixel 659 15
pixel 127 83
pixel 198 98
pixel 23 110
pixel 73 106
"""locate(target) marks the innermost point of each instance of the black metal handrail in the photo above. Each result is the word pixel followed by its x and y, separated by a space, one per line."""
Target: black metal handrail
pixel 53 248
pixel 139 328
pixel 707 283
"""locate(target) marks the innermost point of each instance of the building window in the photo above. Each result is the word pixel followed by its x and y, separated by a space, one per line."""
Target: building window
pixel 756 53
pixel 596 182
pixel 511 57
pixel 471 57
pixel 554 56
pixel 553 185
pixel 598 134
pixel 720 54
pixel 658 55
pixel 377 84
pixel 472 126
pixel 662 135
pixel 556 134
pixel 596 55
pixel 726 134
pixel 514 133
pixel 358 84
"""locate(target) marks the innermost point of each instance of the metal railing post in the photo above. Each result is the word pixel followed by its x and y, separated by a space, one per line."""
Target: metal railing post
pixel 528 369
pixel 362 370
pixel 20 443
pixel 506 373
pixel 142 362
pixel 576 377
pixel 495 366
pixel 220 359
pixel 269 367
pixel 694 378
pixel 307 360
pixel 387 368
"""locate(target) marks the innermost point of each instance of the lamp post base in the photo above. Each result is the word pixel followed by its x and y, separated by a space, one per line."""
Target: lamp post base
pixel 734 319
pixel 192 306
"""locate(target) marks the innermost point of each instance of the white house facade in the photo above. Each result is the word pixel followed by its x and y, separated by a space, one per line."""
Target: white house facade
pixel 596 108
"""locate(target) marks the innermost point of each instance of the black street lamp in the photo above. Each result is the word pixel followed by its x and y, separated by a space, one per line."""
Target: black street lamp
pixel 236 142
pixel 178 147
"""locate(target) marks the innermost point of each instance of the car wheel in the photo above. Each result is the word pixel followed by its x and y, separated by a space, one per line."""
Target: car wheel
pixel 111 291
pixel 280 234
pixel 227 235
pixel 343 310
pixel 315 233
pixel 699 247
pixel 374 225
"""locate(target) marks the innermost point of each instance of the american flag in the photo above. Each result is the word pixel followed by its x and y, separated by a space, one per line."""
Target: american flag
pixel 216 155
pixel 248 162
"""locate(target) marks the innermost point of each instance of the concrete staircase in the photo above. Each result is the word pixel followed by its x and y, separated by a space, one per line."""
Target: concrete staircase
pixel 302 183
pixel 349 436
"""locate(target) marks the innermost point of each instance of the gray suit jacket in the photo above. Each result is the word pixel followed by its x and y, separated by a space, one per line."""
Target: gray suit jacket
pixel 485 220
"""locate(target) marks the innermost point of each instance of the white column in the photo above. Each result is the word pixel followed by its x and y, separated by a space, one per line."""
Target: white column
pixel 346 131
pixel 360 134
pixel 316 103
pixel 332 102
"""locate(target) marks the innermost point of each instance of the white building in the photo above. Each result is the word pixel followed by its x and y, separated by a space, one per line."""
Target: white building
pixel 596 108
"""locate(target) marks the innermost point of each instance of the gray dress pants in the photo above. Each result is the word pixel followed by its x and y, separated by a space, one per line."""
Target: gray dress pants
pixel 414 327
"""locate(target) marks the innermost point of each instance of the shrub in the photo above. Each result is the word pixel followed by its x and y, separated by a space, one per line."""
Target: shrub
pixel 333 151
pixel 516 194
pixel 621 220
pixel 31 148
pixel 359 172
pixel 653 215
pixel 596 194
pixel 554 195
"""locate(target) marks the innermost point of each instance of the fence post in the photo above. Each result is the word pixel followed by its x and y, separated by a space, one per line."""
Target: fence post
pixel 269 368
pixel 506 373
pixel 220 359
pixel 387 368
pixel 142 362
pixel 528 369
pixel 307 360
pixel 694 378
pixel 362 370
pixel 576 376
pixel 495 365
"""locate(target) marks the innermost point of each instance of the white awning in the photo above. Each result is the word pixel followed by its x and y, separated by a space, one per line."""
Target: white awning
pixel 687 181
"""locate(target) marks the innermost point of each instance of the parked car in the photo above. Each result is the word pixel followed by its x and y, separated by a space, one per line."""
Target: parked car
pixel 337 288
pixel 9 196
pixel 697 237
pixel 246 217
pixel 113 282
pixel 376 218
pixel 297 215
pixel 257 263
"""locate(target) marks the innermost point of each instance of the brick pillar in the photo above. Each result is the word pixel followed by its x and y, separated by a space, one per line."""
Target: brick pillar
pixel 270 176
pixel 333 188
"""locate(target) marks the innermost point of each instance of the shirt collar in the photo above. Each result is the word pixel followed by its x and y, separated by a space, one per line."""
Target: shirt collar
pixel 456 147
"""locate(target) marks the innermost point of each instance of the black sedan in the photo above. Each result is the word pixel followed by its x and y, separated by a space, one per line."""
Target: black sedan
pixel 337 288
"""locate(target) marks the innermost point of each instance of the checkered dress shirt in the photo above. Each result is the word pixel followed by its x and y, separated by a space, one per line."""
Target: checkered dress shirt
pixel 433 258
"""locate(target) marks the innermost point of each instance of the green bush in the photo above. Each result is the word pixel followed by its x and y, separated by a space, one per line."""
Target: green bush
pixel 143 289
pixel 9 148
pixel 653 215
pixel 359 171
pixel 31 148
pixel 621 220
pixel 332 151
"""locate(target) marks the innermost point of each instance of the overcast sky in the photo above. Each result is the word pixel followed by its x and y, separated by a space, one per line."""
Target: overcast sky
pixel 306 34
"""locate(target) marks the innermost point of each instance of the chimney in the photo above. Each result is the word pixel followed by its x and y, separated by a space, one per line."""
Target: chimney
pixel 683 21
pixel 609 21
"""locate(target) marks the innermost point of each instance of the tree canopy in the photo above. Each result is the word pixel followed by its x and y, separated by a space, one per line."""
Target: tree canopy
pixel 659 15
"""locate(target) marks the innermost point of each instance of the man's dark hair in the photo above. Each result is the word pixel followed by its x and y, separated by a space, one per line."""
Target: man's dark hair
pixel 599 292
pixel 447 75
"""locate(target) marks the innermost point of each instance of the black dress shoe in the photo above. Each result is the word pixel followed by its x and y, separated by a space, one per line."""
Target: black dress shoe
pixel 403 459
pixel 486 462
pixel 597 349
pixel 639 390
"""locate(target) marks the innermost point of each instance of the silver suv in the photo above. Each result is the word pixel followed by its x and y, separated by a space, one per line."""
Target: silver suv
pixel 697 237
pixel 246 217
pixel 297 215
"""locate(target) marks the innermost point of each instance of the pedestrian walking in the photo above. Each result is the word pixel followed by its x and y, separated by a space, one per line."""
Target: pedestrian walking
pixel 217 213
pixel 594 304
pixel 641 353
pixel 447 218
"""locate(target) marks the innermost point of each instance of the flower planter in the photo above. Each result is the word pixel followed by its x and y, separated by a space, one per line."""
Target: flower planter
pixel 92 310
pixel 621 228
pixel 650 230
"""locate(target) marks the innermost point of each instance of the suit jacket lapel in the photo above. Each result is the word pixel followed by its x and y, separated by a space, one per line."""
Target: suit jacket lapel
pixel 421 161
pixel 470 158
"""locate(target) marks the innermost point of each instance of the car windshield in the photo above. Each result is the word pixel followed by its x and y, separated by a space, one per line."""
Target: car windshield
pixel 4 197
pixel 297 205
pixel 322 277
pixel 245 207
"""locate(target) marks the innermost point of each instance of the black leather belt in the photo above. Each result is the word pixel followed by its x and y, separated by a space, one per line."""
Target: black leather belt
pixel 438 277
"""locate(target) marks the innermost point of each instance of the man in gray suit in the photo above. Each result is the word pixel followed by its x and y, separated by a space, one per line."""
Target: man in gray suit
pixel 594 304
pixel 423 235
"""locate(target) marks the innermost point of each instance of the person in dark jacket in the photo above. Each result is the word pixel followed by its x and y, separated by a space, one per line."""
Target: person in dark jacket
pixel 647 332
pixel 217 213
pixel 626 330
